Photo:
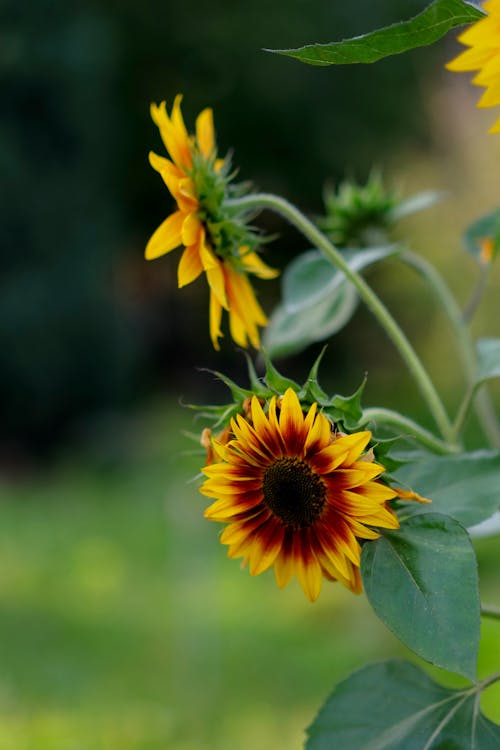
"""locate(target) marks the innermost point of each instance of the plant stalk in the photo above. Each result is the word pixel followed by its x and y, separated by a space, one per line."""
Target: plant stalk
pixel 411 429
pixel 399 339
pixel 482 402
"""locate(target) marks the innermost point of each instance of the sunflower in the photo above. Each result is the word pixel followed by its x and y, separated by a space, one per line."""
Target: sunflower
pixel 216 240
pixel 483 40
pixel 296 495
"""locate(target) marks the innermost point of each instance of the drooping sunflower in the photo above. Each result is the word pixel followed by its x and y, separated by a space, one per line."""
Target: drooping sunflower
pixel 483 41
pixel 215 236
pixel 297 496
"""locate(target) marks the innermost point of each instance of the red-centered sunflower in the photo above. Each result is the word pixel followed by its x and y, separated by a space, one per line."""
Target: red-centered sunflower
pixel 215 236
pixel 297 496
pixel 483 41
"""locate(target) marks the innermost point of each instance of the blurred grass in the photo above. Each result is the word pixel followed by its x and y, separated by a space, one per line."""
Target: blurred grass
pixel 122 624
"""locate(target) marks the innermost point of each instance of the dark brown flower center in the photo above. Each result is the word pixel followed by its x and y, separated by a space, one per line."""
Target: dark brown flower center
pixel 294 492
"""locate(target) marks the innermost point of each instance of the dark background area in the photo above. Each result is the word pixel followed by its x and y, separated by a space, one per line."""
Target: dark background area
pixel 86 324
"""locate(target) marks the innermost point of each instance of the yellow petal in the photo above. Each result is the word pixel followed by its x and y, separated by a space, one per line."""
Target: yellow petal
pixel 215 314
pixel 308 571
pixel 177 146
pixel 167 237
pixel 205 132
pixel 189 266
pixel 252 263
pixel 471 59
pixel 191 230
pixel 265 547
pixel 291 416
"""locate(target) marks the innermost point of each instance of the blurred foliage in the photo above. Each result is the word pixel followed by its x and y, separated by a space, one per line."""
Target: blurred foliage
pixel 84 322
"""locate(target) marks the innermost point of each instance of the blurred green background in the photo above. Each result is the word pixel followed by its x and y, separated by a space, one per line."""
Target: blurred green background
pixel 121 622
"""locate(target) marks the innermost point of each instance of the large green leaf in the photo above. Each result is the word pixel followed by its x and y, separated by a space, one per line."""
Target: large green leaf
pixel 429 26
pixel 311 278
pixel 395 706
pixel 464 486
pixel 421 580
pixel 290 332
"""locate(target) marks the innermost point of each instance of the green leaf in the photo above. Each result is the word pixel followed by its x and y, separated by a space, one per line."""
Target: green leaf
pixel 415 203
pixel 429 26
pixel 421 580
pixel 463 486
pixel 489 359
pixel 311 278
pixel 288 333
pixel 482 238
pixel 395 706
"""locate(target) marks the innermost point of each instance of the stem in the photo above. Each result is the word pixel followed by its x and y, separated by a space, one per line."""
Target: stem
pixel 399 339
pixel 464 410
pixel 477 294
pixel 482 403
pixel 488 610
pixel 412 429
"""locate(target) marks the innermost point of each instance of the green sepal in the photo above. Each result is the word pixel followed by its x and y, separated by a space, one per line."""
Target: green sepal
pixel 275 380
pixel 346 409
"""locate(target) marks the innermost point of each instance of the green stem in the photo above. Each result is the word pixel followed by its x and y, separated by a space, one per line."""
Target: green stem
pixel 464 410
pixel 482 403
pixel 477 294
pixel 399 339
pixel 411 429
pixel 490 611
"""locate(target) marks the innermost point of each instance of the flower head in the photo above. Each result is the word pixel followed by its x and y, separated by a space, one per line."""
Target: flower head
pixel 483 41
pixel 216 238
pixel 297 495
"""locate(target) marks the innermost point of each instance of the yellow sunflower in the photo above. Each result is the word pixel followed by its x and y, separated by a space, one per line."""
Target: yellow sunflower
pixel 297 496
pixel 483 40
pixel 216 241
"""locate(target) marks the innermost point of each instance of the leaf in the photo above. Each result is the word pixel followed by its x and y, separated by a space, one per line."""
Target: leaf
pixel 482 238
pixel 288 332
pixel 488 351
pixel 421 580
pixel 311 278
pixel 429 26
pixel 415 203
pixel 464 487
pixel 394 705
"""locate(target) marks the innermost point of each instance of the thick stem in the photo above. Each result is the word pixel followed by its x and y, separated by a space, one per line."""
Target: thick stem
pixel 482 402
pixel 410 429
pixel 321 242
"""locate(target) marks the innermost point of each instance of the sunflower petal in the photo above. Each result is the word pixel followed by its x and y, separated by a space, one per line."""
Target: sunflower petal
pixel 167 237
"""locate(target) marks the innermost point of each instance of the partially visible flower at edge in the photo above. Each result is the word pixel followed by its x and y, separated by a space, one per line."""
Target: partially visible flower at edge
pixel 296 495
pixel 483 40
pixel 216 238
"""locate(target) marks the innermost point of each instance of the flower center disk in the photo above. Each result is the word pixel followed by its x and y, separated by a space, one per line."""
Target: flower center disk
pixel 293 492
